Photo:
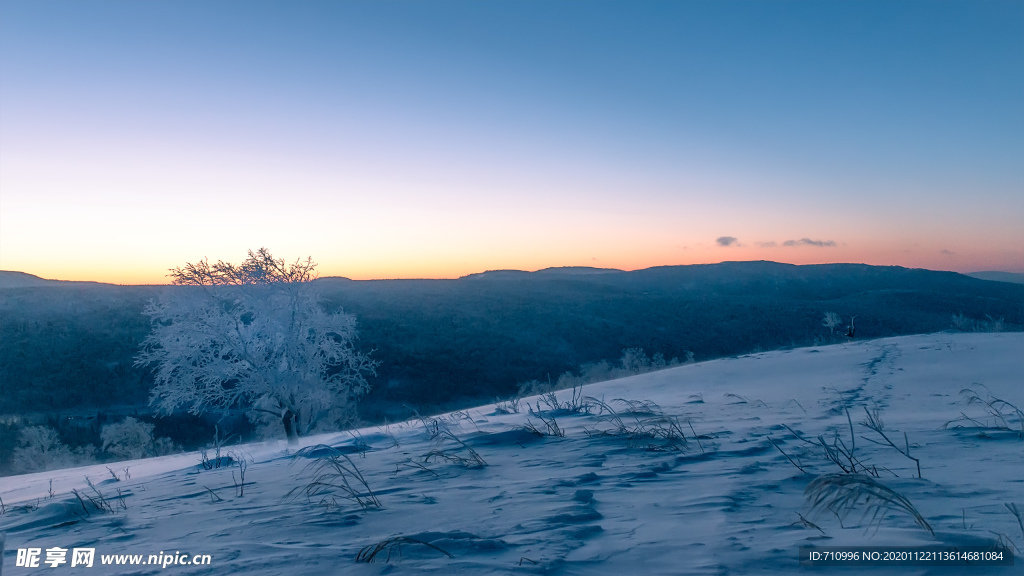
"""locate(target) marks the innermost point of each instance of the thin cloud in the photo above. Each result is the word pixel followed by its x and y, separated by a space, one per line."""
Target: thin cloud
pixel 809 242
pixel 770 244
pixel 727 241
pixel 947 253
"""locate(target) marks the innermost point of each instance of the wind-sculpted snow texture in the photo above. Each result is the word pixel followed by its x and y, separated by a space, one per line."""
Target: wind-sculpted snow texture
pixel 619 493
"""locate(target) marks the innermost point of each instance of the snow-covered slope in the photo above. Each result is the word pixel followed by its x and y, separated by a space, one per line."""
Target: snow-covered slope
pixel 613 496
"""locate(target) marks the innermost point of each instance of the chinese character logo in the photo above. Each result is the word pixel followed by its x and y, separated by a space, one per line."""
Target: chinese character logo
pixel 82 557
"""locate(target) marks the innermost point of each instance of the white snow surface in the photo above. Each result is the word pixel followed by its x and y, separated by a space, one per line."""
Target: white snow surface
pixel 725 502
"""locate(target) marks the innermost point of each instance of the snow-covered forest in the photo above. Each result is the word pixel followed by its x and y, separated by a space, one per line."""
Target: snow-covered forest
pixel 448 344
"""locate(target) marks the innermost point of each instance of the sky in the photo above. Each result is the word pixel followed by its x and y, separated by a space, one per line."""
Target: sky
pixel 437 139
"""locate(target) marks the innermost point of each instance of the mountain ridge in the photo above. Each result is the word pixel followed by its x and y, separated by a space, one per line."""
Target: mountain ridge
pixel 17 279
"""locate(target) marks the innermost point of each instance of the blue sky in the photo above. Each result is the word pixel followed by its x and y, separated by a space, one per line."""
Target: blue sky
pixel 434 139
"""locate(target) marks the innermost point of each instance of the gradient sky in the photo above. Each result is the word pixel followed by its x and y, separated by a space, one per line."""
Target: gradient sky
pixel 435 139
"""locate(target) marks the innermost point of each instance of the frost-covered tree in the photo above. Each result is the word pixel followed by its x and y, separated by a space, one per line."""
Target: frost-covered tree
pixel 831 321
pixel 128 439
pixel 40 448
pixel 253 335
pixel 131 439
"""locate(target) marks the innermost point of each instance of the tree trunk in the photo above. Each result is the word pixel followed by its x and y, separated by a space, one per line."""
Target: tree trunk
pixel 290 427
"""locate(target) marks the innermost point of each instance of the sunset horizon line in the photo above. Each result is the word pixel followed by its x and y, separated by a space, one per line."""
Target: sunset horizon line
pixel 543 269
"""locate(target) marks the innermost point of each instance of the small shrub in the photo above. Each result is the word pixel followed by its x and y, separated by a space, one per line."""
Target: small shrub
pixel 534 387
pixel 874 422
pixel 216 461
pixel 508 406
pixel 243 465
pixel 844 456
pixel 635 361
pixel 164 446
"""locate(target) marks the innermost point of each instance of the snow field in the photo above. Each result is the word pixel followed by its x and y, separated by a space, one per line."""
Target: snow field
pixel 605 498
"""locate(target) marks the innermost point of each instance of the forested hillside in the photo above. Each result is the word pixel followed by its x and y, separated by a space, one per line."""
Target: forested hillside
pixel 68 348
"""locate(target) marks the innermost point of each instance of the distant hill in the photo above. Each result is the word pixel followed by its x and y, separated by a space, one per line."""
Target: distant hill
pixel 497 274
pixel 10 279
pixel 68 345
pixel 578 271
pixel 557 271
pixel 995 276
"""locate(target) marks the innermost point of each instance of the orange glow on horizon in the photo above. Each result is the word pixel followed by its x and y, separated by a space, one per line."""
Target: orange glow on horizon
pixel 452 270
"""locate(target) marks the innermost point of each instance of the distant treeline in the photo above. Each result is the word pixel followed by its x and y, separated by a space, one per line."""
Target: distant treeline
pixel 69 348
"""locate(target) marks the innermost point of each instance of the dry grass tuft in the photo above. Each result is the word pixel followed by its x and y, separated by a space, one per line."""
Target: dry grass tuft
pixel 551 427
pixel 576 404
pixel 508 406
pixel 370 553
pixel 450 448
pixel 334 474
pixel 642 423
pixel 1001 414
pixel 842 493
pixel 874 422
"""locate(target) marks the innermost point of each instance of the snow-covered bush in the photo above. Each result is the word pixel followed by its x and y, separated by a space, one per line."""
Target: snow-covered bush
pixel 965 324
pixel 635 361
pixel 962 323
pixel 40 448
pixel 254 335
pixel 128 439
pixel 163 446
